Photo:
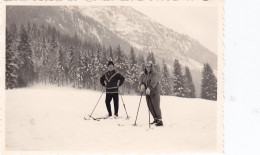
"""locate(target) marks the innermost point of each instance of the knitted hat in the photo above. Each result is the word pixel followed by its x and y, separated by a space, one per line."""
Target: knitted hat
pixel 110 63
pixel 150 63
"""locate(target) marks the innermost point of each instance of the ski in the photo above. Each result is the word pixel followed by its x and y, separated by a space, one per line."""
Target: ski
pixel 134 125
pixel 96 118
pixel 118 117
pixel 91 118
pixel 99 118
pixel 123 124
pixel 104 117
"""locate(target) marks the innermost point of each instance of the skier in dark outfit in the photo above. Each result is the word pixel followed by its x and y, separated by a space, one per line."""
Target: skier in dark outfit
pixel 112 81
pixel 150 86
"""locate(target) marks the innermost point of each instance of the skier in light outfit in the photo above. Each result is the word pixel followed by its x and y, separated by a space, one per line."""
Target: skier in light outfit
pixel 150 86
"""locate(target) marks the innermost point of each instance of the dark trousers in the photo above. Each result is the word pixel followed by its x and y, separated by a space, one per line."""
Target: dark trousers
pixel 108 100
pixel 153 103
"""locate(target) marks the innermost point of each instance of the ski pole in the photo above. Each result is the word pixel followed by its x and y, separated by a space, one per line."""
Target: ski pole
pixel 124 105
pixel 138 108
pixel 97 102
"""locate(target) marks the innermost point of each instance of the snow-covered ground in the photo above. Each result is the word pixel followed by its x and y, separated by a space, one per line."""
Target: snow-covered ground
pixel 50 118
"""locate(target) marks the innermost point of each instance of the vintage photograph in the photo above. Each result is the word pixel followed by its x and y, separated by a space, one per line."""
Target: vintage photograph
pixel 114 79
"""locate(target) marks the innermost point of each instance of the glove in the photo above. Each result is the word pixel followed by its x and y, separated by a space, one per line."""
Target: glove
pixel 142 88
pixel 148 91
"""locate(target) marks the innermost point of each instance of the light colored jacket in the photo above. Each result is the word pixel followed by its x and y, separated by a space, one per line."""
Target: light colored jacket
pixel 151 81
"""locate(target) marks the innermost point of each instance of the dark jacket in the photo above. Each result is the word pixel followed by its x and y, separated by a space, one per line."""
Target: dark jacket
pixel 112 78
pixel 151 81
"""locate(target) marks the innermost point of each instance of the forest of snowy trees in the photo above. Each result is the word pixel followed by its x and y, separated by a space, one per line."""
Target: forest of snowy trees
pixel 41 54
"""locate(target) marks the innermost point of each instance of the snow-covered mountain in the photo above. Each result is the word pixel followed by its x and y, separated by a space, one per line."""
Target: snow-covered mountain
pixel 148 35
pixel 113 25
pixel 67 20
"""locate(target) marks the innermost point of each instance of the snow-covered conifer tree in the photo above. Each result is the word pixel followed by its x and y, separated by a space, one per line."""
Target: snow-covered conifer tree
pixel 208 84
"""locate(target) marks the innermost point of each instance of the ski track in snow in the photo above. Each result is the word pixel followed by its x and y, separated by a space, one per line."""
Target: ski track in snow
pixel 51 119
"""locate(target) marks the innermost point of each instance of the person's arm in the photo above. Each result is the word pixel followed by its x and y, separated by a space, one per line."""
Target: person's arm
pixel 102 80
pixel 121 79
pixel 141 86
pixel 154 81
pixel 142 79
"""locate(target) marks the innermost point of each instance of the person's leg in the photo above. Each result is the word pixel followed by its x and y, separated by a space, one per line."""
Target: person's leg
pixel 149 104
pixel 108 100
pixel 156 105
pixel 116 105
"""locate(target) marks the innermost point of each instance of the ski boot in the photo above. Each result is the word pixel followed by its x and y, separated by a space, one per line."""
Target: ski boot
pixel 159 122
pixel 155 121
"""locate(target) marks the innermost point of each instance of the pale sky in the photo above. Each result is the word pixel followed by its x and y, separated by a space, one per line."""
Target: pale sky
pixel 200 23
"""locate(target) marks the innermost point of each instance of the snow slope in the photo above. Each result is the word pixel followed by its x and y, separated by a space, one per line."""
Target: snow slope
pixel 50 118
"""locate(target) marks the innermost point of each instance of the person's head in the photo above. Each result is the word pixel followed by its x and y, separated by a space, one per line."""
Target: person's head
pixel 110 65
pixel 148 67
